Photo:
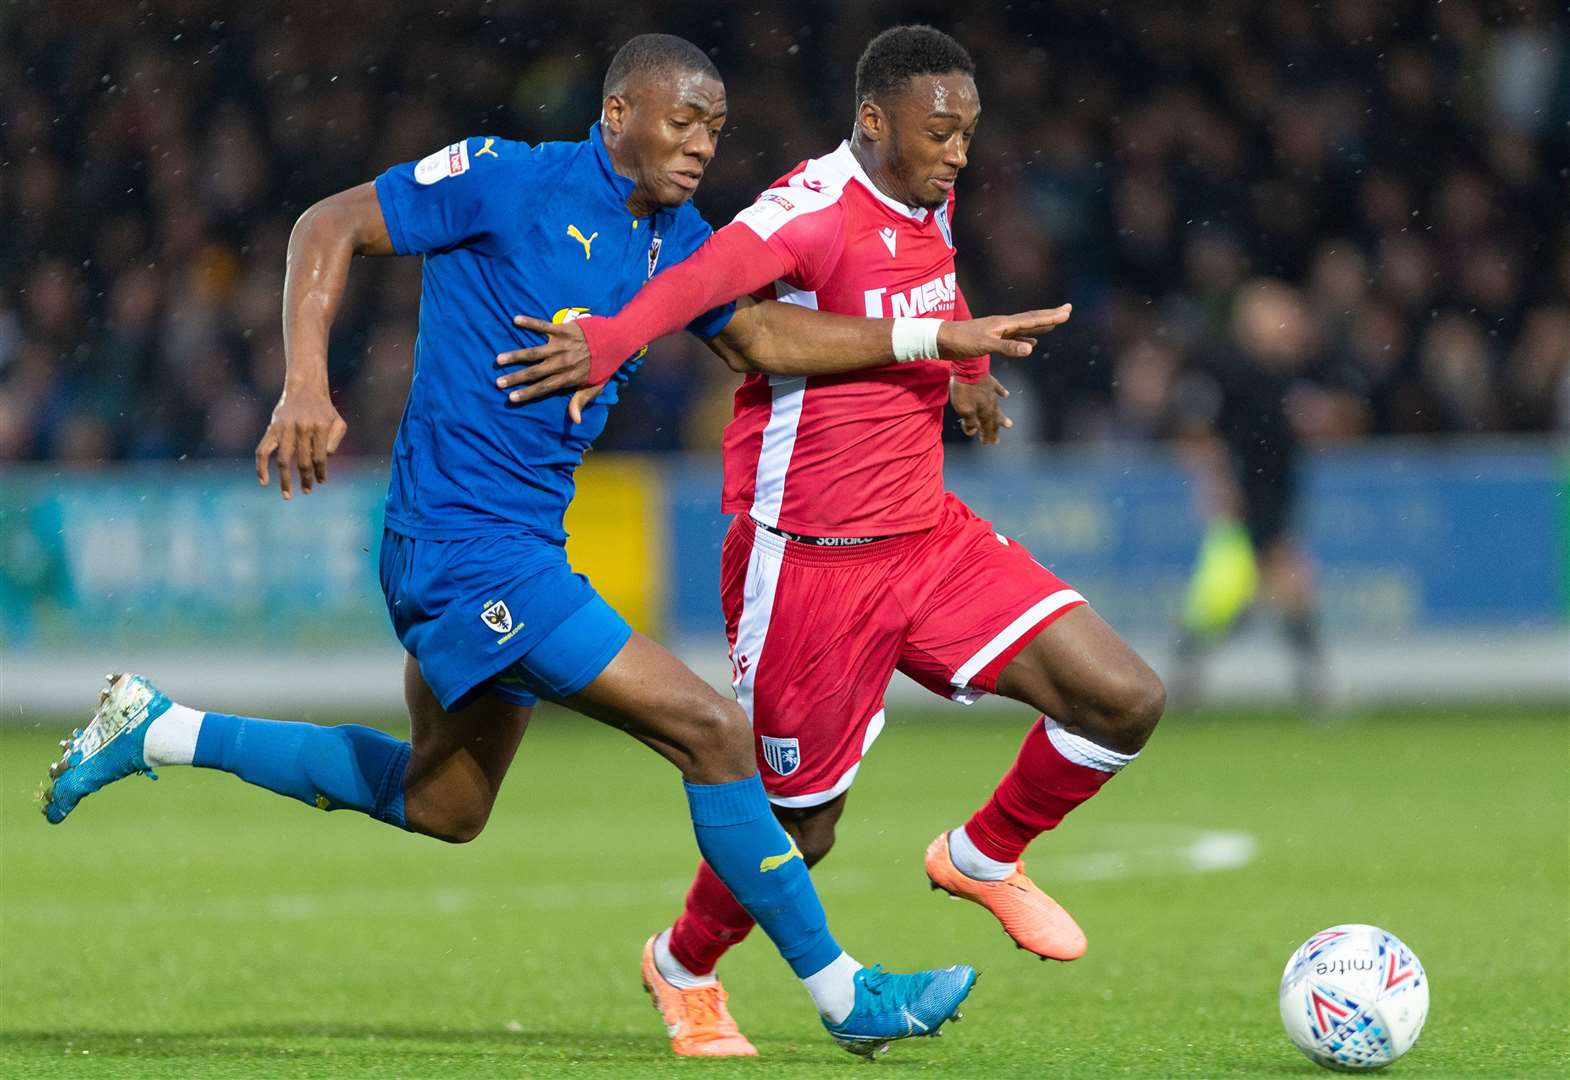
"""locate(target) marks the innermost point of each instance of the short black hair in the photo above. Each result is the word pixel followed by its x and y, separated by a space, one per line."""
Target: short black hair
pixel 903 52
pixel 656 54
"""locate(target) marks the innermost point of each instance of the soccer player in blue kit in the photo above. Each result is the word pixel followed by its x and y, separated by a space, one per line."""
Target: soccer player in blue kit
pixel 473 563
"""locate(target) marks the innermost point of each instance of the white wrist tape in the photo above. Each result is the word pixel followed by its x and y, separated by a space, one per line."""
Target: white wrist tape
pixel 916 339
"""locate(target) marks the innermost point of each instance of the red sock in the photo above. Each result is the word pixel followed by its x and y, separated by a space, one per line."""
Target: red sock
pixel 1053 772
pixel 710 924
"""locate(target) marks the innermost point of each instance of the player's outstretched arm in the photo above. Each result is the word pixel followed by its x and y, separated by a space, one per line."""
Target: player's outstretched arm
pixel 305 427
pixel 784 339
pixel 732 263
pixel 788 339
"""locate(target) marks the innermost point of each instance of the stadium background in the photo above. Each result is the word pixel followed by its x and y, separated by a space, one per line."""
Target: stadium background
pixel 1403 165
pixel 1406 166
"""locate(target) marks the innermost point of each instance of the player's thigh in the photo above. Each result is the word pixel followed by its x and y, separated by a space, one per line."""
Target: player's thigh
pixel 1080 672
pixel 468 750
pixel 979 598
pixel 649 693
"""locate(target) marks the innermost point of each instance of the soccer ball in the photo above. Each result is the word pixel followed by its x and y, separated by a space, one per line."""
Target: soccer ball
pixel 1354 997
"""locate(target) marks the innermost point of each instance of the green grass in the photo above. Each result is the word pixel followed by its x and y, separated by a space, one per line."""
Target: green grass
pixel 199 927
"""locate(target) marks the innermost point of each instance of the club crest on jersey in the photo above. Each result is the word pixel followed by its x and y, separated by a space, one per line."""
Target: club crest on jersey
pixel 781 755
pixel 449 161
pixel 497 617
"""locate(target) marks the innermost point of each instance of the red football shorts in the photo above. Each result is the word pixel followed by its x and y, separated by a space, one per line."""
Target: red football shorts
pixel 816 633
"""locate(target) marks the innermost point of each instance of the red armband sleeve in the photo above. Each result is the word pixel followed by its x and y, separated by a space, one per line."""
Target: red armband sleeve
pixel 731 263
pixel 972 369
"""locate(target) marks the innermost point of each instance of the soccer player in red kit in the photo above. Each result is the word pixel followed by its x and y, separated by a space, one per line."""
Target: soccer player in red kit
pixel 847 559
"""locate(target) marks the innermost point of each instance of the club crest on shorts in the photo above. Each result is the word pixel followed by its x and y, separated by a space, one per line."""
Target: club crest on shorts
pixel 497 617
pixel 782 755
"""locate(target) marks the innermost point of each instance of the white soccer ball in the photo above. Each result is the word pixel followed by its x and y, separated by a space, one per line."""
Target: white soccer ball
pixel 1354 997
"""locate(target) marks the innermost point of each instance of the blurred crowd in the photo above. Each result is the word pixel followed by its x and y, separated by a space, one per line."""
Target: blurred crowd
pixel 1402 168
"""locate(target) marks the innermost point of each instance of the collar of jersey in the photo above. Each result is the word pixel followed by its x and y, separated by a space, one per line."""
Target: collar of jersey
pixel 619 184
pixel 915 213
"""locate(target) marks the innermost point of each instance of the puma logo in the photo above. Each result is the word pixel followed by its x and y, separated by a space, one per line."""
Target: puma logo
pixel 774 862
pixel 572 231
pixel 486 149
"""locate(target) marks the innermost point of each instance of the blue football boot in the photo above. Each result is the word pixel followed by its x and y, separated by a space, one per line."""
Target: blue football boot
pixel 110 747
pixel 890 1007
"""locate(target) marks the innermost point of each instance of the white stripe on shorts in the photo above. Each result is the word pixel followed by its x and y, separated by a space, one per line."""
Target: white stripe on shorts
pixel 757 609
pixel 1007 636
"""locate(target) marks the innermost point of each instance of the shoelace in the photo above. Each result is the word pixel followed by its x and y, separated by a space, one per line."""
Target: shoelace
pixel 901 992
pixel 706 1009
pixel 875 978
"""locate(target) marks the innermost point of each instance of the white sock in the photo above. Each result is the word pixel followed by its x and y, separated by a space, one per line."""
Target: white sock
pixel 171 738
pixel 673 970
pixel 833 988
pixel 969 860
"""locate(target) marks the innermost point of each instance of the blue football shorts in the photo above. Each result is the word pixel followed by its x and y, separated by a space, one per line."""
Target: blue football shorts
pixel 500 614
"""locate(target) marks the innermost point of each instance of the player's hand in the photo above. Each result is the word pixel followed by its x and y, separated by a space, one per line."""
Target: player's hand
pixel 980 408
pixel 580 399
pixel 562 362
pixel 305 430
pixel 1004 335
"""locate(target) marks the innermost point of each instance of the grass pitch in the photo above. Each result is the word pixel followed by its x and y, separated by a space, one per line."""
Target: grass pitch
pixel 200 927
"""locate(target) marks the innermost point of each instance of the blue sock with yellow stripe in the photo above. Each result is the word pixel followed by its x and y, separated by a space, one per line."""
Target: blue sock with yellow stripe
pixel 345 767
pixel 762 867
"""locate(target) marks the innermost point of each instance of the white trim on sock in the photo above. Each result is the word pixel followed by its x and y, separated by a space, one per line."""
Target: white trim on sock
pixel 171 737
pixel 971 861
pixel 673 970
pixel 1081 751
pixel 833 988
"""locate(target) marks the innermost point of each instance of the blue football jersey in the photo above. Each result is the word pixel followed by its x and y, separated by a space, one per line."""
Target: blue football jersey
pixel 505 229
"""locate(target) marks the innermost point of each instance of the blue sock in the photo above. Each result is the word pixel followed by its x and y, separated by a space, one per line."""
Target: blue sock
pixel 758 861
pixel 347 767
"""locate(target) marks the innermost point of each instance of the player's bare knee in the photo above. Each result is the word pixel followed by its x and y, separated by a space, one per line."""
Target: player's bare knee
pixel 719 740
pixel 1137 710
pixel 815 844
pixel 812 827
pixel 1121 712
pixel 814 836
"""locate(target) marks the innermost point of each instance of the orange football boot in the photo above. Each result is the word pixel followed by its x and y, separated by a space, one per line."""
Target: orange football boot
pixel 1034 920
pixel 697 1020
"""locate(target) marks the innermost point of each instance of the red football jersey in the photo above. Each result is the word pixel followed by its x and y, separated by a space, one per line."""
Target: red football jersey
pixel 857 454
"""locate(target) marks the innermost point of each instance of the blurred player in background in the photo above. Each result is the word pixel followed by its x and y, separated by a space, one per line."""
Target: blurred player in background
pixel 847 560
pixel 1241 430
pixel 473 562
